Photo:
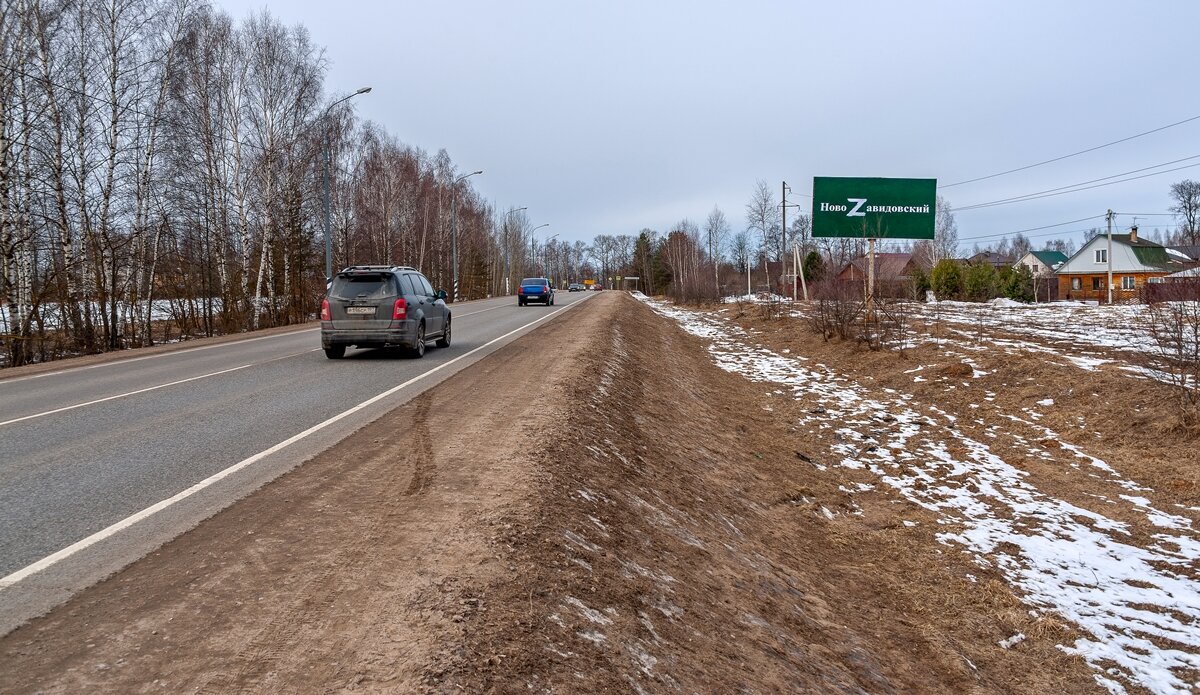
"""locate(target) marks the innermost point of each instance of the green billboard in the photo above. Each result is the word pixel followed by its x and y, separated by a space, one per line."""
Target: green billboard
pixel 873 208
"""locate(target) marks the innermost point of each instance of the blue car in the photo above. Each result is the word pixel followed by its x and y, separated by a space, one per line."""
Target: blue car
pixel 535 290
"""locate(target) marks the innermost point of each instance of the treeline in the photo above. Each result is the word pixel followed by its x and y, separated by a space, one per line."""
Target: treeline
pixel 156 153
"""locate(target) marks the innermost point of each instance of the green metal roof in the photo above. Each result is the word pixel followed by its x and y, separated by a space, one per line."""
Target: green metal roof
pixel 1050 258
pixel 1154 256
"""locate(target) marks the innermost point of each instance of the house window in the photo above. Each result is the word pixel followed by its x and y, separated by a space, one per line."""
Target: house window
pixel 1095 283
pixel 1102 255
pixel 1128 283
pixel 1077 283
pixel 1036 269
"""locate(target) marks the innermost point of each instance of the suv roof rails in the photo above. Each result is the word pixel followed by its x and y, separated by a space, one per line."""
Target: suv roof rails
pixel 376 268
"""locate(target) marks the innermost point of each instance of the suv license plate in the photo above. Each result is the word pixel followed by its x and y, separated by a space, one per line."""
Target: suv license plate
pixel 360 310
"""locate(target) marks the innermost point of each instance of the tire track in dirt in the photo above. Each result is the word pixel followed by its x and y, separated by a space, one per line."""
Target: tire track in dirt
pixel 421 461
pixel 305 614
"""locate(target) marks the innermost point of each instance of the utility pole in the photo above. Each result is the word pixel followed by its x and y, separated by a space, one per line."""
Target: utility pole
pixel 783 234
pixel 797 257
pixel 1108 255
pixel 871 277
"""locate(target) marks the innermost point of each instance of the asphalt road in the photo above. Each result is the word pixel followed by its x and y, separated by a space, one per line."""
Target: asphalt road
pixel 101 464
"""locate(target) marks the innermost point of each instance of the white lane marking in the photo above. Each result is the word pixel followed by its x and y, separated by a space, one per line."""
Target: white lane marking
pixel 480 311
pixel 121 395
pixel 151 357
pixel 51 560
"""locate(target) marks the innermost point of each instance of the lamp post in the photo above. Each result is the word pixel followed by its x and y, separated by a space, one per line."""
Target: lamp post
pixel 533 241
pixel 328 157
pixel 454 227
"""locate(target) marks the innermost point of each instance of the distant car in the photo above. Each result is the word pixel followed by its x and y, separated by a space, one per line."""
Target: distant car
pixel 576 287
pixel 375 306
pixel 597 287
pixel 535 290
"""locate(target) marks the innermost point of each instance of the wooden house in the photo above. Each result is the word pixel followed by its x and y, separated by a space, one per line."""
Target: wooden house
pixel 1084 276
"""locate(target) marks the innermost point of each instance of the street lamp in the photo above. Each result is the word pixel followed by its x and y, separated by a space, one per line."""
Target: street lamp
pixel 533 241
pixel 454 227
pixel 328 155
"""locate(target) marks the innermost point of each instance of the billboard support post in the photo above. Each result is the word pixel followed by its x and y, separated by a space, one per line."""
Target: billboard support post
pixel 870 277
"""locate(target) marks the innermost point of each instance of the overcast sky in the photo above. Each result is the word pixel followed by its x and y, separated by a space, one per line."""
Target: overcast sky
pixel 606 117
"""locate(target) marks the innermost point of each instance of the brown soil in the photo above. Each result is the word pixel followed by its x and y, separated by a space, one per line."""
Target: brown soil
pixel 621 517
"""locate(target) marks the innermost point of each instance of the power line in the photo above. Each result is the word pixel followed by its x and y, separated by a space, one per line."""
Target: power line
pixel 1073 154
pixel 1037 229
pixel 1083 185
pixel 1059 232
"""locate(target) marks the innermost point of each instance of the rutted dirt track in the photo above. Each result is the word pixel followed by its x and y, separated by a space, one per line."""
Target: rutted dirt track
pixel 596 508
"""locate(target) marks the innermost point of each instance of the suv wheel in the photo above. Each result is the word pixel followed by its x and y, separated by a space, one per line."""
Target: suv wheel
pixel 444 341
pixel 335 352
pixel 418 348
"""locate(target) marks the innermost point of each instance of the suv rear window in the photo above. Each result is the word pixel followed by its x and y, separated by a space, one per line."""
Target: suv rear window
pixel 365 286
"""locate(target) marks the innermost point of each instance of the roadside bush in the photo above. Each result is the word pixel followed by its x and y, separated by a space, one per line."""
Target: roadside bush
pixel 946 279
pixel 918 285
pixel 836 308
pixel 980 282
pixel 888 326
pixel 772 306
pixel 1018 284
pixel 814 267
pixel 1175 330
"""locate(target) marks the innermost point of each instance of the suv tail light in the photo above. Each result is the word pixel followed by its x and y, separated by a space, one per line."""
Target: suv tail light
pixel 520 290
pixel 325 310
pixel 400 311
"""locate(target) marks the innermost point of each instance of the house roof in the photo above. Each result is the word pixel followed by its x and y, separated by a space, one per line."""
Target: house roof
pixel 1156 257
pixel 887 265
pixel 990 257
pixel 1148 253
pixel 1192 252
pixel 1050 258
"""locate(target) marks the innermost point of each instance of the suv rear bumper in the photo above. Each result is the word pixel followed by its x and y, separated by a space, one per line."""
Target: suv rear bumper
pixel 403 333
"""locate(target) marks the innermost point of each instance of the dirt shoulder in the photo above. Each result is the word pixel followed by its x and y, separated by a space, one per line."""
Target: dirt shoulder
pixel 625 518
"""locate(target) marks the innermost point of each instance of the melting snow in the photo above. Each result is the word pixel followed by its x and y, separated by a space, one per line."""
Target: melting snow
pixel 1138 607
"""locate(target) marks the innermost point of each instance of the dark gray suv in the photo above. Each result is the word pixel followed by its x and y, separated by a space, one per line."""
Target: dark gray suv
pixel 375 306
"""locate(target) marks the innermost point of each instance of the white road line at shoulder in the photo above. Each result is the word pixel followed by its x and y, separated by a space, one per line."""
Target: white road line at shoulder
pixel 172 353
pixel 51 560
pixel 120 395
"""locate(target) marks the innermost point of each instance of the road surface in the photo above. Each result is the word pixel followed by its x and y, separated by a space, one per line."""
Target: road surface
pixel 102 463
